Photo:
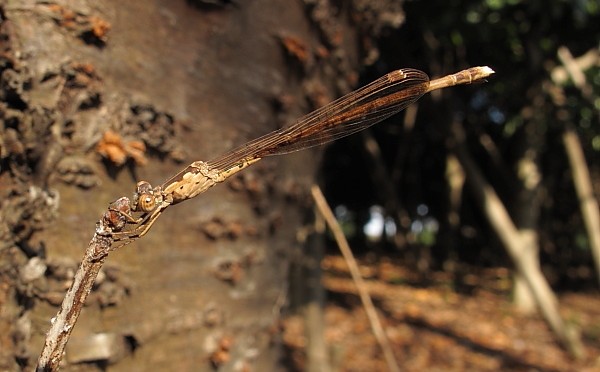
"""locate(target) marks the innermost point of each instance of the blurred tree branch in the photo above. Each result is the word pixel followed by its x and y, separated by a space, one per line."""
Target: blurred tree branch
pixel 516 246
pixel 588 204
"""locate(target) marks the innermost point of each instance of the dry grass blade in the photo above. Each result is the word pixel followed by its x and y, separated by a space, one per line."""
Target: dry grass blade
pixel 365 298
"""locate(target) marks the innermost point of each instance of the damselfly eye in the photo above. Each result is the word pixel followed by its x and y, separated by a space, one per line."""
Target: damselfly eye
pixel 146 203
pixel 143 187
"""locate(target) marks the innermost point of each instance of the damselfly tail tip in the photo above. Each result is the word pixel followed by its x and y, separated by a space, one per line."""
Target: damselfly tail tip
pixel 486 71
pixel 479 74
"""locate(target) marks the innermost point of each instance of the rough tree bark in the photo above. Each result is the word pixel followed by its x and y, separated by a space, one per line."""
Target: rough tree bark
pixel 123 84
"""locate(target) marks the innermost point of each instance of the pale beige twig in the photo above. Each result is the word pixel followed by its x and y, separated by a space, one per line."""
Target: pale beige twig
pixel 361 287
pixel 588 203
pixel 575 72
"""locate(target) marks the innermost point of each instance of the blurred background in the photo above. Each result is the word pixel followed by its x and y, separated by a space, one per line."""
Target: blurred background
pixel 514 127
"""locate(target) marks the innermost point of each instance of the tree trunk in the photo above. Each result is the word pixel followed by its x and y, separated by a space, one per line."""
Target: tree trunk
pixel 526 209
pixel 131 83
pixel 523 299
pixel 317 356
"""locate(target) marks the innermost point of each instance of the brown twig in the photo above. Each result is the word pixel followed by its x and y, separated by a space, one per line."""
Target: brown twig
pixel 93 259
pixel 363 292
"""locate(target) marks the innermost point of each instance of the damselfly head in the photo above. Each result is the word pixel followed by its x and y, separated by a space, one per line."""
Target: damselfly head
pixel 143 187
